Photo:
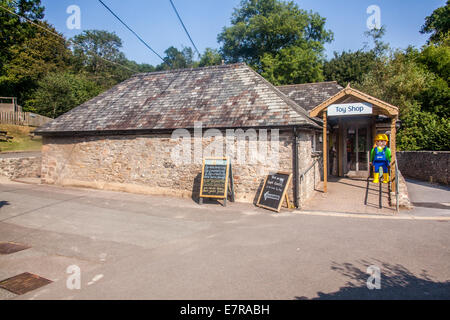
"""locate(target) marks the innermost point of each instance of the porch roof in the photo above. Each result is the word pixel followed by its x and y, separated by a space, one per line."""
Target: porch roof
pixel 351 95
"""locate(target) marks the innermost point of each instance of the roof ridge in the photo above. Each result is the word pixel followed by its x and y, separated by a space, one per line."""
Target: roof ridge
pixel 295 107
pixel 309 83
pixel 221 66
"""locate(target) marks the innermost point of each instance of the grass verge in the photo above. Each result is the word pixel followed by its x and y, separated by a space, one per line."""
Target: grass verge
pixel 22 140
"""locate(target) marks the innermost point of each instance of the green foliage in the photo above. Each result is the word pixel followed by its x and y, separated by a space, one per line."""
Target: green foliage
pixel 436 58
pixel 397 80
pixel 438 24
pixel 292 65
pixel 423 130
pixel 13 31
pixel 268 30
pixel 60 92
pixel 30 60
pixel 417 82
pixel 349 67
pixel 436 98
pixel 211 57
pixel 176 59
pixel 97 52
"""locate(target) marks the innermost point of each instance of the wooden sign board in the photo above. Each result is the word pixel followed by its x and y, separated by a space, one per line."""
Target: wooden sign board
pixel 349 109
pixel 274 191
pixel 216 179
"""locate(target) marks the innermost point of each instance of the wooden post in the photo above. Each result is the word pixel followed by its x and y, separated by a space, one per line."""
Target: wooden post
pixel 372 142
pixel 341 147
pixel 325 152
pixel 393 150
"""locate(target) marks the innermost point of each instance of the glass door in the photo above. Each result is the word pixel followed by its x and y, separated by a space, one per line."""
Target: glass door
pixel 351 149
pixel 363 149
pixel 357 151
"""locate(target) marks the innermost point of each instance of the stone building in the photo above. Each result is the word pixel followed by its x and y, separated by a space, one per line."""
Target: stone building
pixel 124 139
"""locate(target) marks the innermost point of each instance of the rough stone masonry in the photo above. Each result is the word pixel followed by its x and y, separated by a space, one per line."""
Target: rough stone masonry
pixel 16 166
pixel 143 164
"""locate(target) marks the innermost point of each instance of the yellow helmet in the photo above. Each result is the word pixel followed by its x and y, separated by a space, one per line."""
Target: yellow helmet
pixel 381 137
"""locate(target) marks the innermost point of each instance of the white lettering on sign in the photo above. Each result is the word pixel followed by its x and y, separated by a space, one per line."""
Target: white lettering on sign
pixel 347 109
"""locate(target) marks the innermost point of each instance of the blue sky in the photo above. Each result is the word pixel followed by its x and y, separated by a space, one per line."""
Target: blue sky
pixel 156 22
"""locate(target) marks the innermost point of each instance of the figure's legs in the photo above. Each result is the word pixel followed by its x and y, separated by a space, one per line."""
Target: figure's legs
pixel 385 174
pixel 376 174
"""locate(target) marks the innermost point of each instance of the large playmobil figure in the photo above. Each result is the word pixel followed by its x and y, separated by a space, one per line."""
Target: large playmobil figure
pixel 380 156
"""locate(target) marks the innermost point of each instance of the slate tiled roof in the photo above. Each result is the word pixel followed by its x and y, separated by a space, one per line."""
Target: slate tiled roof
pixel 310 95
pixel 224 96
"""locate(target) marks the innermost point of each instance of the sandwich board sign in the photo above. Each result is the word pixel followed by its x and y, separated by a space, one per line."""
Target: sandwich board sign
pixel 274 191
pixel 217 179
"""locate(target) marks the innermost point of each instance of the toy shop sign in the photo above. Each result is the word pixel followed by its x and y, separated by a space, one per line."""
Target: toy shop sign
pixel 349 109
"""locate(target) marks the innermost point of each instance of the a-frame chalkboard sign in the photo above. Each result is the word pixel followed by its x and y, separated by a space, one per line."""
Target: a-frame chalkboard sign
pixel 274 192
pixel 217 180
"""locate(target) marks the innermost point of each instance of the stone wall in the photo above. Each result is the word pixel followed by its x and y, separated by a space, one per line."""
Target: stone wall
pixel 431 166
pixel 403 196
pixel 144 164
pixel 16 167
pixel 308 159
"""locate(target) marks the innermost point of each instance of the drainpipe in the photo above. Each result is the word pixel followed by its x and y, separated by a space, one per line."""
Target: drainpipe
pixel 295 155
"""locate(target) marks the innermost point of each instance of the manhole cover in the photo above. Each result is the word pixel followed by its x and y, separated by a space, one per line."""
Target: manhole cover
pixel 9 247
pixel 24 283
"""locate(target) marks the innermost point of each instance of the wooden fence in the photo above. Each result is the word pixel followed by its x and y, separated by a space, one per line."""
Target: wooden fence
pixel 23 119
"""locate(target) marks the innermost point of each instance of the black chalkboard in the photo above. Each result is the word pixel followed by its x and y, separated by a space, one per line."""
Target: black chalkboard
pixel 214 183
pixel 274 191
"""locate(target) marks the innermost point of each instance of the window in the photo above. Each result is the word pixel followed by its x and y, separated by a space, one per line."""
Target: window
pixel 316 142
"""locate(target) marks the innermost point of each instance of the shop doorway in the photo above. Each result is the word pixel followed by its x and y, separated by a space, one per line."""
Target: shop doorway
pixel 356 149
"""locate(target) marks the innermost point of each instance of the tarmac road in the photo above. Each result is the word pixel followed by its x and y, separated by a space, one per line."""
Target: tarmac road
pixel 145 247
pixel 429 199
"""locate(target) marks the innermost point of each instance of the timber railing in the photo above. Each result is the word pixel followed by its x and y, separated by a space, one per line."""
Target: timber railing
pixel 23 119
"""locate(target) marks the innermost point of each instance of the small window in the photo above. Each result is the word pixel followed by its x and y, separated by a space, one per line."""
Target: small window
pixel 316 142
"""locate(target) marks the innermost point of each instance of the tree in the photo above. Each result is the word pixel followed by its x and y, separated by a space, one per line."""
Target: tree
pixel 436 98
pixel 31 59
pixel 59 92
pixel 350 67
pixel 97 52
pixel 292 65
pixel 13 31
pixel 176 59
pixel 399 79
pixel 211 57
pixel 438 23
pixel 272 29
pixel 423 130
pixel 414 80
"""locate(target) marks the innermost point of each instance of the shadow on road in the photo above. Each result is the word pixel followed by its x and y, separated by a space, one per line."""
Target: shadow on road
pixel 397 282
pixel 4 203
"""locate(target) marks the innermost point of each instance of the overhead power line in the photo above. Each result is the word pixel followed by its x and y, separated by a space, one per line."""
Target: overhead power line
pixel 68 40
pixel 132 31
pixel 184 27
